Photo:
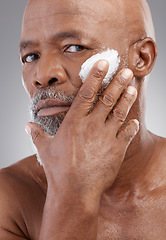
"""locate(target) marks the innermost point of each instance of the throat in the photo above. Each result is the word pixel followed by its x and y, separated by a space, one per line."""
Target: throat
pixel 137 163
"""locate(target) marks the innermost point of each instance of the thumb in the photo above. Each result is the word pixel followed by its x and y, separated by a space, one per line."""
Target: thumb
pixel 37 134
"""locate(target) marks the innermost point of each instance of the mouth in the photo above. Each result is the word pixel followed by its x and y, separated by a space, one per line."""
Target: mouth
pixel 51 107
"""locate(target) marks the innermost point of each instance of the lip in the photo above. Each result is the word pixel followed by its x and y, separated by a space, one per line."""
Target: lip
pixel 51 107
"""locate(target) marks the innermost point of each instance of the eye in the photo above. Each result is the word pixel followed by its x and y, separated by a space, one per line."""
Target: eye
pixel 30 58
pixel 75 48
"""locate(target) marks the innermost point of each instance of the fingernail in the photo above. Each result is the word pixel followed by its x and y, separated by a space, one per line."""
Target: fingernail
pixel 102 64
pixel 137 122
pixel 127 73
pixel 28 129
pixel 131 90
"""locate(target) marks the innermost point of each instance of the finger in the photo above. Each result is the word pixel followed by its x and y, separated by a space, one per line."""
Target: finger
pixel 88 91
pixel 38 135
pixel 127 133
pixel 122 108
pixel 112 93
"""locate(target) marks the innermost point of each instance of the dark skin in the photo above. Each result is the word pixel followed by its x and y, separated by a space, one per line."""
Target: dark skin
pixel 115 187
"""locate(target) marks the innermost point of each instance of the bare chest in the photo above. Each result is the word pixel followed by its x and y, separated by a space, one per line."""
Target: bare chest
pixel 145 223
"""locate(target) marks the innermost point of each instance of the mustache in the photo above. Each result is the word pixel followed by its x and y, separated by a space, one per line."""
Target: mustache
pixel 50 92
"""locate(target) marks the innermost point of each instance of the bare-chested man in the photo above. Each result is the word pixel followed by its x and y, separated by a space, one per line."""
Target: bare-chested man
pixel 103 174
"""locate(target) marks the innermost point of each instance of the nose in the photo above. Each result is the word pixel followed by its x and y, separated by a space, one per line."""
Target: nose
pixel 49 71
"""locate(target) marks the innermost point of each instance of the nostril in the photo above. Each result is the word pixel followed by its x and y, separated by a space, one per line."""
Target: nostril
pixel 53 80
pixel 45 82
pixel 38 84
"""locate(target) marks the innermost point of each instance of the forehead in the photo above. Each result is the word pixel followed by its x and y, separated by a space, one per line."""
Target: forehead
pixel 88 11
pixel 44 8
pixel 91 17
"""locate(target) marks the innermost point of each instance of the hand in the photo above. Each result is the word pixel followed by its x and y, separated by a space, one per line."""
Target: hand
pixel 86 153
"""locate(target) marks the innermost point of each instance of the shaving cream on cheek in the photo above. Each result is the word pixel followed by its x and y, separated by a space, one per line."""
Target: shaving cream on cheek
pixel 111 56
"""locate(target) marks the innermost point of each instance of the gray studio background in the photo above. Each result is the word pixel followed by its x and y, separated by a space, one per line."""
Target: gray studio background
pixel 15 144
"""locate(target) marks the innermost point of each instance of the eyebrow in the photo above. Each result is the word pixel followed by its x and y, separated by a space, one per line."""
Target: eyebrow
pixel 24 44
pixel 70 34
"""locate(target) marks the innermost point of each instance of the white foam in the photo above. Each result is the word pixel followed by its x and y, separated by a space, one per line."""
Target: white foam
pixel 111 56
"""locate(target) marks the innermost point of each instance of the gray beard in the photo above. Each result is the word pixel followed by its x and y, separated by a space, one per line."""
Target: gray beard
pixel 52 124
pixel 49 124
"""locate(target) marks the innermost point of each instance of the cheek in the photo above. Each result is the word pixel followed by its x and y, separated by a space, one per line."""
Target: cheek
pixel 73 74
pixel 112 57
pixel 27 82
pixel 76 81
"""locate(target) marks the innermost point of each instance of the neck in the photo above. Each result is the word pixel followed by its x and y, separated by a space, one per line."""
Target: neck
pixel 138 158
pixel 131 179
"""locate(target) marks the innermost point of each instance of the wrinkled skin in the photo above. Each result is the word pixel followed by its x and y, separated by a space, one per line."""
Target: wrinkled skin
pixel 103 174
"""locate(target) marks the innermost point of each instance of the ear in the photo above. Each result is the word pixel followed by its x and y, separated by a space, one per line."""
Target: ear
pixel 142 57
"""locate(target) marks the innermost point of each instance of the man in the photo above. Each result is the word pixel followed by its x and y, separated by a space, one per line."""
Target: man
pixel 102 174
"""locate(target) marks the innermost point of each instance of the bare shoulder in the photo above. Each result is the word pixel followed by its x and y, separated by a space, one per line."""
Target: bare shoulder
pixel 161 148
pixel 158 170
pixel 21 199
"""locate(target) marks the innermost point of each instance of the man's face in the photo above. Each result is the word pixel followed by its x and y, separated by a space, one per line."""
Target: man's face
pixel 57 37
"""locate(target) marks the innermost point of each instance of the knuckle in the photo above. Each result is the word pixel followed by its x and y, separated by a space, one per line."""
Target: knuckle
pixel 128 135
pixel 35 136
pixel 130 131
pixel 123 78
pixel 98 74
pixel 107 100
pixel 119 114
pixel 87 93
pixel 127 98
pixel 121 82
